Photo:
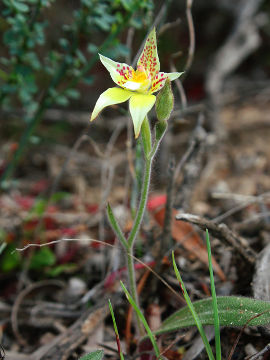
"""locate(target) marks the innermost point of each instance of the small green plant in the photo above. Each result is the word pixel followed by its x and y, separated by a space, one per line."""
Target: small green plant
pixel 217 311
pixel 138 86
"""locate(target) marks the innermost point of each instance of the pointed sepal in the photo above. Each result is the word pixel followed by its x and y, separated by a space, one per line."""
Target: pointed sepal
pixel 139 106
pixel 111 96
pixel 149 57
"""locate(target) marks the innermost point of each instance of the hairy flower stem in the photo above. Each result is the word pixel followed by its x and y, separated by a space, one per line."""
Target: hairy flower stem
pixel 147 146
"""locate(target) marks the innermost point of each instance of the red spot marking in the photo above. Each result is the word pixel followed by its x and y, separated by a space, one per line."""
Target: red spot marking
pixel 118 65
pixel 124 67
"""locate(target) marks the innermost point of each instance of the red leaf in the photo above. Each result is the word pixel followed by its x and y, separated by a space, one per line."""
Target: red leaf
pixel 25 202
pixel 156 201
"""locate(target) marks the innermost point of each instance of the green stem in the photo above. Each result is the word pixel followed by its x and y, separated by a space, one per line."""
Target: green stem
pixel 146 141
pixel 132 285
pixel 145 188
pixel 142 205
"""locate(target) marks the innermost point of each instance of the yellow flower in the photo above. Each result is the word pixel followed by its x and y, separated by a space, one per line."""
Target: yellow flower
pixel 137 86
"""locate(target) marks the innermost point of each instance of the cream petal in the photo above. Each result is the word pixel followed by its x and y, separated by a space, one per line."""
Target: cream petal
pixel 139 106
pixel 111 96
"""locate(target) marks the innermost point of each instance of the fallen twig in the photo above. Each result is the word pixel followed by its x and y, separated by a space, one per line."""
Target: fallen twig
pixel 222 232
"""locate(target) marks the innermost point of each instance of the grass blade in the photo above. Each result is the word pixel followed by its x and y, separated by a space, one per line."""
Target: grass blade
pixel 116 332
pixel 214 298
pixel 116 227
pixel 143 320
pixel 193 312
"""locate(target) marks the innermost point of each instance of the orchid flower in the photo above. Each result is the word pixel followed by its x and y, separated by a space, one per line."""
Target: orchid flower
pixel 137 86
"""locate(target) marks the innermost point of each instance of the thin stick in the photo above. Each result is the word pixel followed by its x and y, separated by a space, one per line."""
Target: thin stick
pixel 180 298
pixel 191 30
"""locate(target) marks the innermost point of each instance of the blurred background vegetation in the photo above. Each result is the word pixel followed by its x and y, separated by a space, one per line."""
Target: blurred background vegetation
pixel 50 49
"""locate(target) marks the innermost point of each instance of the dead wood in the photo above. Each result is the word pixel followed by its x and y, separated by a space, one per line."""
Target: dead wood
pixel 222 232
pixel 243 41
pixel 64 344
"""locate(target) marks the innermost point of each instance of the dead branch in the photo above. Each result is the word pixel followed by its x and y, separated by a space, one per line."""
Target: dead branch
pixel 222 232
pixel 18 301
pixel 243 41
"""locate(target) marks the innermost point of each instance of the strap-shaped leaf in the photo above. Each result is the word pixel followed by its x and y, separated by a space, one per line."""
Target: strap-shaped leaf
pixel 95 355
pixel 232 311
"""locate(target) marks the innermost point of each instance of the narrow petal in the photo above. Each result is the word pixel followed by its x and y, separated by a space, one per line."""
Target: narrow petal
pixel 158 82
pixel 111 96
pixel 139 106
pixel 160 79
pixel 120 72
pixel 149 57
pixel 174 75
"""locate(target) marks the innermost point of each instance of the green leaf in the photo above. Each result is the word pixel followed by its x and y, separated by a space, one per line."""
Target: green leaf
pixel 10 259
pixel 164 102
pixel 232 311
pixel 193 312
pixel 61 100
pixel 93 49
pixel 142 319
pixel 127 4
pixel 214 299
pixel 116 331
pixel 72 93
pixel 62 269
pixel 42 258
pixel 40 205
pixel 95 355
pixel 115 225
pixel 60 195
pixel 20 6
pixel 2 247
